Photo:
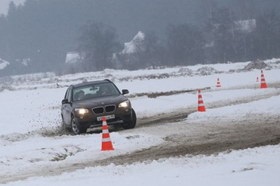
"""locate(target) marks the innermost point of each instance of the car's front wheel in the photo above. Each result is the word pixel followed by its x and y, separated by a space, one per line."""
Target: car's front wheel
pixel 131 122
pixel 76 128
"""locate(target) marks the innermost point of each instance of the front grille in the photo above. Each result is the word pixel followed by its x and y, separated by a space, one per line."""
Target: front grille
pixel 105 109
pixel 110 108
pixel 98 110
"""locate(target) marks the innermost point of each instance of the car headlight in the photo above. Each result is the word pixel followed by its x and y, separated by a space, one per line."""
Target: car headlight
pixel 124 104
pixel 81 111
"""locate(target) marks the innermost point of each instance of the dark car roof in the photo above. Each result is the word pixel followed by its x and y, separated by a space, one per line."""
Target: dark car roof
pixel 91 82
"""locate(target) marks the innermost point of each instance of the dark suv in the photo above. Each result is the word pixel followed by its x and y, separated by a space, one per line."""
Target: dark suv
pixel 86 103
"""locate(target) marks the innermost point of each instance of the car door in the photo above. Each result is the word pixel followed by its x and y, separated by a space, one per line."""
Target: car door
pixel 67 106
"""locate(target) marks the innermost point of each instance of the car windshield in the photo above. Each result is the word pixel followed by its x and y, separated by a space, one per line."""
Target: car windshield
pixel 94 91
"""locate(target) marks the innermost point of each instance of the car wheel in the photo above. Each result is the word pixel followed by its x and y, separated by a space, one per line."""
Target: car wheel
pixel 76 128
pixel 130 124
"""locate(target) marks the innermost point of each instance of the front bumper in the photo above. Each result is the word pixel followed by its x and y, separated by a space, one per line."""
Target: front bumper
pixel 90 120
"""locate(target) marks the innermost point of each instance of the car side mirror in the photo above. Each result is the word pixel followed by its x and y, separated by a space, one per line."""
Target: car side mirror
pixel 125 91
pixel 64 101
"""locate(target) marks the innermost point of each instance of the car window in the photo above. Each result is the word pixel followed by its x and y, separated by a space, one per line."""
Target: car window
pixel 107 89
pixel 68 94
pixel 65 96
pixel 94 91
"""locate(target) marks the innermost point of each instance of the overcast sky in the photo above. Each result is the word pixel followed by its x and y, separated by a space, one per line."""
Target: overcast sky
pixel 4 5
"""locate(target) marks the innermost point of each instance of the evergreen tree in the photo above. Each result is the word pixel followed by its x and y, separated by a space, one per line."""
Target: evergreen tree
pixel 184 45
pixel 97 45
pixel 267 36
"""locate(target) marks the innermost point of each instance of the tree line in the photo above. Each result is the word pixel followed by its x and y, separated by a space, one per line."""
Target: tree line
pixel 36 37
pixel 222 39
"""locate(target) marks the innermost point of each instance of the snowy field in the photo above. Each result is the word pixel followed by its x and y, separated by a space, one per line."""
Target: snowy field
pixel 31 140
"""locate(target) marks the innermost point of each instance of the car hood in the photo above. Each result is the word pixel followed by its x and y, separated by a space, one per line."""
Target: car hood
pixel 90 103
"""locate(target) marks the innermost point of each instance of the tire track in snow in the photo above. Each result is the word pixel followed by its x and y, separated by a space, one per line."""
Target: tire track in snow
pixel 182 113
pixel 205 139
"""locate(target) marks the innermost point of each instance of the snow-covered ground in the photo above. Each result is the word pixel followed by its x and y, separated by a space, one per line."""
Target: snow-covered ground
pixel 30 121
pixel 258 166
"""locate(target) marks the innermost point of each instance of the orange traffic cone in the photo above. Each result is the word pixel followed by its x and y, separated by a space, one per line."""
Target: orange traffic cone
pixel 201 107
pixel 218 83
pixel 106 141
pixel 263 83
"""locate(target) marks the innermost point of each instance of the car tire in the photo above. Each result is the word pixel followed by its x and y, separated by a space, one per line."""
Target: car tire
pixel 130 124
pixel 76 128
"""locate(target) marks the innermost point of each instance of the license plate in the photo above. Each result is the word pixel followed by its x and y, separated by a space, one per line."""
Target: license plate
pixel 112 116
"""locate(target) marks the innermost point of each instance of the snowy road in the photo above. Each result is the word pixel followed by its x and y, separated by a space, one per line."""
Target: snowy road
pixel 240 117
pixel 182 136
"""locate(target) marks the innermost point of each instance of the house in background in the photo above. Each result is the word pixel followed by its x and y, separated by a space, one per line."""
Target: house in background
pixel 73 62
pixel 3 64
